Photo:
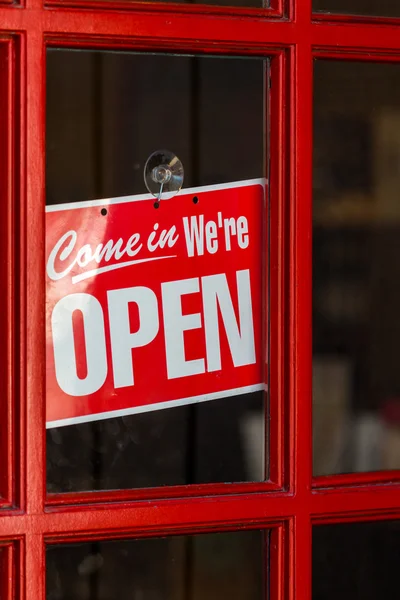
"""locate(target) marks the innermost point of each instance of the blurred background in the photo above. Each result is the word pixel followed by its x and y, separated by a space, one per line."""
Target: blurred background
pixel 211 566
pixel 384 8
pixel 356 267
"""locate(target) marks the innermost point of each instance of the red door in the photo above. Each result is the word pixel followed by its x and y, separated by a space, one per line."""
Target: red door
pixel 286 484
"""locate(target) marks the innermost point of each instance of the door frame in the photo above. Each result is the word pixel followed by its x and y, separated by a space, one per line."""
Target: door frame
pixel 292 500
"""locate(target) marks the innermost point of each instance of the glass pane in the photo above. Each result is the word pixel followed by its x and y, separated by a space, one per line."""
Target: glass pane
pixel 214 566
pixel 358 560
pixel 356 289
pixel 106 114
pixel 383 8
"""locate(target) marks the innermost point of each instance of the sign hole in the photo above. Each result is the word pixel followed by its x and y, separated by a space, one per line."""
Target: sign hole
pixel 195 199
pixel 103 211
pixel 156 205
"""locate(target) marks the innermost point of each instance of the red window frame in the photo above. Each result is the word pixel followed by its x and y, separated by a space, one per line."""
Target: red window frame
pixel 291 501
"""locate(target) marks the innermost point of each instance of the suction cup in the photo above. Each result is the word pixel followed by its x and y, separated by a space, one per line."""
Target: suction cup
pixel 163 174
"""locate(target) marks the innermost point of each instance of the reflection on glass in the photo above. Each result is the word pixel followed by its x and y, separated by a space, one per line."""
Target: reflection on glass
pixel 213 566
pixel 356 276
pixel 357 560
pixel 106 114
pixel 383 8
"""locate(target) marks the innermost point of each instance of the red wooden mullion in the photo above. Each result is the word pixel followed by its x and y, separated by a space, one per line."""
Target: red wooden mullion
pixel 278 572
pixel 33 573
pixel 278 187
pixel 110 519
pixel 32 576
pixel 33 232
pixel 118 27
pixel 274 11
pixel 356 37
pixel 182 492
pixel 121 27
pixel 195 514
pixel 301 314
pixel 357 503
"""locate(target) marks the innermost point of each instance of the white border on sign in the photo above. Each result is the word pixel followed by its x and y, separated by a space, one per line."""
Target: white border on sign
pixel 141 197
pixel 135 410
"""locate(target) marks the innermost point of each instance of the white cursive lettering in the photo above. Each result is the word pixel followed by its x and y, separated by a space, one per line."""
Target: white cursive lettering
pixel 65 251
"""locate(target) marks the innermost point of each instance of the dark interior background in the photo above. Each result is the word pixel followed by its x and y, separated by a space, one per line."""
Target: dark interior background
pixel 357 561
pixel 211 566
pixel 356 267
pixel 384 8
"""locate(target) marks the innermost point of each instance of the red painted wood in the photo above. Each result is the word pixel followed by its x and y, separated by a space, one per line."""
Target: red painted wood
pixel 176 29
pixel 32 226
pixel 278 254
pixel 275 11
pixel 10 570
pixel 352 37
pixel 33 579
pixel 182 28
pixel 154 493
pixel 170 29
pixel 277 565
pixel 300 269
pixel 134 518
pixel 356 503
pixel 356 479
pixel 155 517
pixel 7 351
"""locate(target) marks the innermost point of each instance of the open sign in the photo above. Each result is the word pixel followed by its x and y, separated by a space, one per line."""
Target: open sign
pixel 149 309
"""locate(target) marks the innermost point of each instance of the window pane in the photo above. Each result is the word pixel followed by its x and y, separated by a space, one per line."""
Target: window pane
pixel 356 290
pixel 106 114
pixel 213 566
pixel 383 8
pixel 356 561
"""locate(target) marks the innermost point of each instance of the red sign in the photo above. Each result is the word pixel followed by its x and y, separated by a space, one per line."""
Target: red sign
pixel 152 308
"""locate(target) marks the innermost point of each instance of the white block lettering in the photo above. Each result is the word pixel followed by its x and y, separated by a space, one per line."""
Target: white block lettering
pixel 194 235
pixel 242 232
pixel 122 340
pixel 211 237
pixel 64 347
pixel 240 338
pixel 175 324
